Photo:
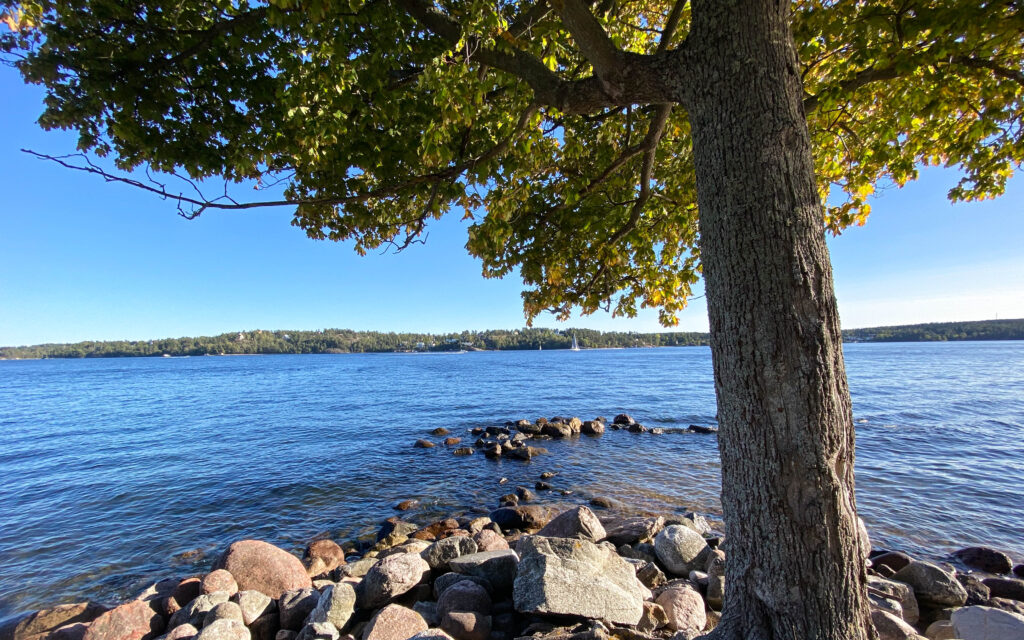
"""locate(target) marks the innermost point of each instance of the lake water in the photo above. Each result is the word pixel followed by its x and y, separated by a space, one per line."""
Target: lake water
pixel 115 473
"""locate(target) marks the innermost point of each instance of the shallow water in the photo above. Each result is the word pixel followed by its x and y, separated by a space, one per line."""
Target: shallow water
pixel 115 473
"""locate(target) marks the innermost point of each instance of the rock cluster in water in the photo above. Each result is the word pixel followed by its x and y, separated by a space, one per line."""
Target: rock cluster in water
pixel 516 439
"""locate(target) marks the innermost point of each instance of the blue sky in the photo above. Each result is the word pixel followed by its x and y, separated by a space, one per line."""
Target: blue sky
pixel 82 259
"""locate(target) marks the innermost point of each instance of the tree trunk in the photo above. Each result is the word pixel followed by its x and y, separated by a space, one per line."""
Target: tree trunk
pixel 794 567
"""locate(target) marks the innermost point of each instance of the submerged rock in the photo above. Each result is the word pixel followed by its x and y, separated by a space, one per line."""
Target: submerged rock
pixel 46 620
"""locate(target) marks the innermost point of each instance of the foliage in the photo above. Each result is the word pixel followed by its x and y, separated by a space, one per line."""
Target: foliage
pixel 552 135
pixel 348 341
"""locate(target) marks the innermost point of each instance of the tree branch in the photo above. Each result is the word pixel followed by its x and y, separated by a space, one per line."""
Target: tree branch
pixel 593 41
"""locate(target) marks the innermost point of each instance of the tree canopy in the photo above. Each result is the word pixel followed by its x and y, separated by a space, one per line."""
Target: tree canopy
pixel 559 127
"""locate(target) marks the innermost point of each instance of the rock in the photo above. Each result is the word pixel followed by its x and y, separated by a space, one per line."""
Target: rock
pixel 602 502
pixel 194 613
pixel 521 517
pixel 932 585
pixel 135 620
pixel 540 485
pixel 46 620
pixel 556 430
pixel 182 632
pixel 694 521
pixel 895 560
pixel 1005 588
pixel 886 603
pixel 637 428
pixel 898 591
pixel 578 522
pixel 696 428
pixel 335 606
pixel 253 605
pixel 452 441
pixel 440 431
pixel 219 580
pixel 977 592
pixel 890 627
pixel 487 540
pixel 295 606
pixel 286 634
pixel 359 568
pixel 984 559
pixel 464 595
pixel 525 495
pixel 497 567
pixel 435 530
pixel 681 549
pixel 423 444
pixel 576 577
pixel 716 579
pixel 653 618
pixel 467 625
pixel 526 453
pixel 464 451
pixel 321 557
pixel 260 566
pixel 318 631
pixel 73 631
pixel 432 634
pixel 224 630
pixel 684 608
pixel 1013 606
pixel 446 580
pixel 441 552
pixel 1018 570
pixel 987 623
pixel 428 610
pixel 650 575
pixel 624 419
pixel 394 622
pixel 632 529
pixel 391 577
pixel 592 428
pixel 940 630
pixel 223 611
pixel 186 591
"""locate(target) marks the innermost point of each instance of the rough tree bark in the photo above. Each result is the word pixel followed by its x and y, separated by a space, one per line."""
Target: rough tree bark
pixel 794 568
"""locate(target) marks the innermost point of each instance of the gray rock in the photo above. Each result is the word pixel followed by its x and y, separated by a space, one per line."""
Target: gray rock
pixel 335 605
pixel 194 613
pixel 932 585
pixel 890 627
pixel 464 596
pixel 224 611
pixel 1005 588
pixel 577 577
pixel 977 592
pixel 394 622
pixel 654 618
pixel 984 559
pixel 359 568
pixel 266 626
pixel 885 603
pixel 318 631
pixel 253 604
pixel 224 630
pixel 578 522
pixel 446 580
pixel 295 606
pixel 684 609
pixel 716 579
pixel 941 630
pixel 650 575
pixel 898 591
pixel 391 577
pixel 441 552
pixel 987 623
pixel 497 567
pixel 681 549
pixel 631 530
pixel 428 610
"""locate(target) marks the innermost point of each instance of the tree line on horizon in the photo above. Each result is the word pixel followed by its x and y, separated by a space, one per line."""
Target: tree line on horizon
pixel 349 341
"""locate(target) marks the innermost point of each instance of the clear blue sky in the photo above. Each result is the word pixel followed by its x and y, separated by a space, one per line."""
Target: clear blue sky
pixel 81 259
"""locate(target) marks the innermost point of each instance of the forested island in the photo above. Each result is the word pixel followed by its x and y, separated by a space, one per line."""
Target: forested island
pixel 348 341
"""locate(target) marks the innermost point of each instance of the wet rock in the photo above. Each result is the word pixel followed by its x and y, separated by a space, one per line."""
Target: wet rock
pixel 254 605
pixel 441 552
pixel 984 559
pixel 488 540
pixel 335 605
pixel 696 428
pixel 452 441
pixel 637 428
pixel 601 502
pixel 890 627
pixel 526 453
pixel 224 630
pixel 73 631
pixel 987 623
pixel 684 608
pixel 321 557
pixel 894 560
pixel 219 580
pixel 391 577
pixel 900 592
pixel 47 620
pixel 521 517
pixel 624 419
pixel 556 430
pixel 394 622
pixel 1005 588
pixel 464 451
pixel 681 549
pixel 260 566
pixel 932 585
pixel 578 522
pixel 295 606
pixel 525 495
pixel 224 611
pixel 423 444
pixel 497 567
pixel 576 577
pixel 1018 570
pixel 318 631
pixel 540 485
pixel 440 431
pixel 134 620
pixel 508 500
pixel 405 505
pixel 435 530
pixel 631 530
pixel 466 625
pixel 977 592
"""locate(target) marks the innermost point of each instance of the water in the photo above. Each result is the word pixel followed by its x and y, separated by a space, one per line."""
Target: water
pixel 115 473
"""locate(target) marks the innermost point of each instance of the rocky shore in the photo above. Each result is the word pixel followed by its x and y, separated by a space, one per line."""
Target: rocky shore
pixel 545 571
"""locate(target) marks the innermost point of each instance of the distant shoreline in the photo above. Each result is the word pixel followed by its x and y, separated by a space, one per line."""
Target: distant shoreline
pixel 341 341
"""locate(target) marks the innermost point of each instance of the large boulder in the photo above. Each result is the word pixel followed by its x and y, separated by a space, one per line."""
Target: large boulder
pixel 987 623
pixel 336 605
pixel 394 622
pixel 498 568
pixel 984 559
pixel 135 620
pixel 577 577
pixel 390 578
pixel 439 554
pixel 578 522
pixel 322 557
pixel 681 549
pixel 684 608
pixel 261 566
pixel 932 585
pixel 47 620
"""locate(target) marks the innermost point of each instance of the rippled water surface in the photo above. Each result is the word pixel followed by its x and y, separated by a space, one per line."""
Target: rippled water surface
pixel 114 473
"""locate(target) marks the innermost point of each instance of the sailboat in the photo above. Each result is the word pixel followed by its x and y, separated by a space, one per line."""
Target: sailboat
pixel 575 345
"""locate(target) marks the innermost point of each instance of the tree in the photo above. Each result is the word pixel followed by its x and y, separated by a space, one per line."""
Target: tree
pixel 619 148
